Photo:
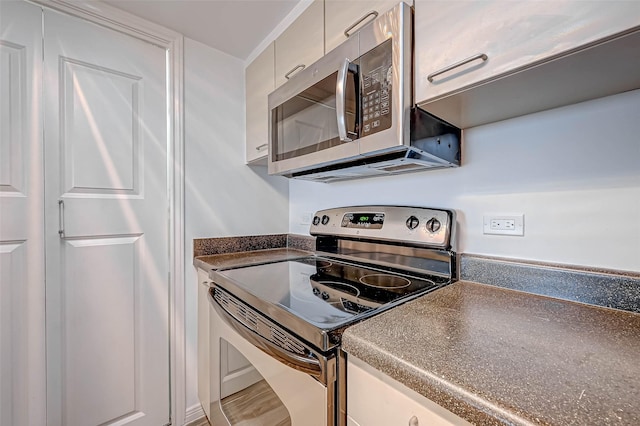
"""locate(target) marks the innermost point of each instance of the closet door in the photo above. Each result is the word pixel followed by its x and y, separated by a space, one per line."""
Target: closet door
pixel 22 362
pixel 106 208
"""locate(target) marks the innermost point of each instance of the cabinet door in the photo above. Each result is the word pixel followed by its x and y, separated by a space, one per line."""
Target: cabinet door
pixel 22 338
pixel 301 44
pixel 500 37
pixel 375 399
pixel 204 359
pixel 259 82
pixel 339 15
pixel 107 318
pixel 351 422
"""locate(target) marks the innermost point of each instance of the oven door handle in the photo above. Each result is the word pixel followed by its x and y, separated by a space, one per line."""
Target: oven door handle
pixel 309 365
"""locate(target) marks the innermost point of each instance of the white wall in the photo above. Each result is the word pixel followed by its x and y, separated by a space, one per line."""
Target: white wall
pixel 223 197
pixel 574 172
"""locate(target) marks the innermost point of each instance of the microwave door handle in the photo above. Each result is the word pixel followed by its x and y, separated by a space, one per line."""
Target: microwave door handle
pixel 341 99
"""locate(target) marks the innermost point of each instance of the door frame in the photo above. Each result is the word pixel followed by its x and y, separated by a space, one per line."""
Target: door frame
pixel 173 43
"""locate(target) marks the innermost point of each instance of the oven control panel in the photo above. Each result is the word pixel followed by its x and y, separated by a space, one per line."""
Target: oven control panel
pixel 414 225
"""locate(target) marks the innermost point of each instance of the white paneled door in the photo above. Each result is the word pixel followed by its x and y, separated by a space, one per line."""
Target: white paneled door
pixel 107 225
pixel 22 352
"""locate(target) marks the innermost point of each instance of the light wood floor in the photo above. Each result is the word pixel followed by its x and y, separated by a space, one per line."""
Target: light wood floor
pixel 202 422
pixel 255 405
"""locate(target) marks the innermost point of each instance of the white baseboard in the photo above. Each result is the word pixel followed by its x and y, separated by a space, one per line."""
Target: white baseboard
pixel 194 413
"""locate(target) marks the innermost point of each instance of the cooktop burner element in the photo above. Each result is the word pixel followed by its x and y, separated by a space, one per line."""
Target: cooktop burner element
pixel 385 281
pixel 347 288
pixel 357 271
pixel 317 262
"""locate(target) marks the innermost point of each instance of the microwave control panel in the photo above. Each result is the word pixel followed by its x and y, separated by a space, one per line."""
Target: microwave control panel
pixel 376 75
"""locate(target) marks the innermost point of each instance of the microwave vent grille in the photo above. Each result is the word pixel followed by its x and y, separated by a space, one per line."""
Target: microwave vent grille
pixel 434 145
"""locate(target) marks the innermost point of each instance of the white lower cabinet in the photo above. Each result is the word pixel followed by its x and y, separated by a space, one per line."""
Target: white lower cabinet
pixel 351 422
pixel 375 399
pixel 204 355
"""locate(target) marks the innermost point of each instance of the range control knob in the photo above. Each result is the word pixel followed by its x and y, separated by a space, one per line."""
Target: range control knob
pixel 325 219
pixel 325 295
pixel 316 220
pixel 316 291
pixel 433 225
pixel 412 222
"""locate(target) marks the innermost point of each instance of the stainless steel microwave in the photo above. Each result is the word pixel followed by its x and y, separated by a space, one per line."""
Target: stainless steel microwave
pixel 350 114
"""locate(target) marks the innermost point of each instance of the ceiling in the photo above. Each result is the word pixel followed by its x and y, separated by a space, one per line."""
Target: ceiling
pixel 235 27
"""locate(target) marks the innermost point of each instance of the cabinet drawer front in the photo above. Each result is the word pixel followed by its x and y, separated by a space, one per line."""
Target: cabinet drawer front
pixel 512 35
pixel 375 399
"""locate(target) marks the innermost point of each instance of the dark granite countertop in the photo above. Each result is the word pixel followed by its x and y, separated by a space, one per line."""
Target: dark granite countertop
pixel 498 356
pixel 229 252
pixel 247 258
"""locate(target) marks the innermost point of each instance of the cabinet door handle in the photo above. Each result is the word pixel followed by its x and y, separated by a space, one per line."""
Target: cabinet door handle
pixel 413 421
pixel 301 67
pixel 61 218
pixel 261 147
pixel 482 56
pixel 359 21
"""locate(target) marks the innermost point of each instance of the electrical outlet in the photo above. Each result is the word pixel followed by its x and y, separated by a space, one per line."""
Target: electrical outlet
pixel 504 224
pixel 305 218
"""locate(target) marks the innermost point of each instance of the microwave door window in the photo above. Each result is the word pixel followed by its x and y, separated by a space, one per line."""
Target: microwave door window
pixel 307 122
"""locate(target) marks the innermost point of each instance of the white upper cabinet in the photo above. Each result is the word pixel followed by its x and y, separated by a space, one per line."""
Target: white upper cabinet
pixel 348 16
pixel 301 44
pixel 259 82
pixel 463 44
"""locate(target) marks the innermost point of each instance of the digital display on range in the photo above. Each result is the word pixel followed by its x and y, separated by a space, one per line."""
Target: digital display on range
pixel 363 220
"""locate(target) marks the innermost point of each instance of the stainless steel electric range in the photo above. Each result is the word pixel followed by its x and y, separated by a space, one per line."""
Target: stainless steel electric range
pixel 368 259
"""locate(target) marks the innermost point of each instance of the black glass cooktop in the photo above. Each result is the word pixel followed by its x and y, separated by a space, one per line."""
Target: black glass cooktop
pixel 327 293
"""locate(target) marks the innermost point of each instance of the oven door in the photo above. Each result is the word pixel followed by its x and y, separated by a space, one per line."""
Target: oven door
pixel 314 117
pixel 256 381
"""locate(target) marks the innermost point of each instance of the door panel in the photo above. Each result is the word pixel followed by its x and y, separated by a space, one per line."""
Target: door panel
pixel 12 267
pixel 12 71
pixel 101 105
pixel 22 351
pixel 95 374
pixel 107 289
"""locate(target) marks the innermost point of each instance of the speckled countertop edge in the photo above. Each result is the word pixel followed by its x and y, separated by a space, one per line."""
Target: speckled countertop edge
pixel 559 266
pixel 594 286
